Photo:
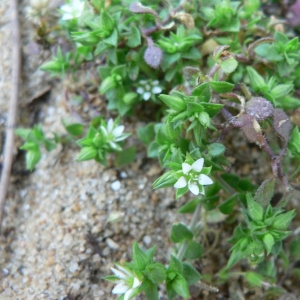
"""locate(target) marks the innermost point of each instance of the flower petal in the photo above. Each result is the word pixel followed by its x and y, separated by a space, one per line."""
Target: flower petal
pixel 136 283
pixel 204 180
pixel 140 90
pixel 125 270
pixel 186 168
pixel 128 294
pixel 181 183
pixel 119 273
pixel 198 165
pixel 156 90
pixel 120 288
pixel 146 96
pixel 110 125
pixel 194 188
pixel 118 130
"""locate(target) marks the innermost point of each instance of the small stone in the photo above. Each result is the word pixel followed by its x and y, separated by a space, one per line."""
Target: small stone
pixel 147 240
pixel 123 174
pixel 73 266
pixel 111 244
pixel 105 251
pixel 116 185
pixel 68 239
pixel 58 268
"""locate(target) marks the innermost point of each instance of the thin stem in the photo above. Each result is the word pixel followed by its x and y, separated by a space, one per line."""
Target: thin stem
pixel 147 32
pixel 192 226
pixel 12 111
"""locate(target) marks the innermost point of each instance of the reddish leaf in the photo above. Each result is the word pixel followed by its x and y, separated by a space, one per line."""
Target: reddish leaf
pixel 153 56
pixel 259 108
pixel 282 124
pixel 251 129
pixel 139 8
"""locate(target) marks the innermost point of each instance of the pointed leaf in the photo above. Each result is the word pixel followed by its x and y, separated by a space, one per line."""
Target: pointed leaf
pixel 221 86
pixel 180 233
pixel 265 192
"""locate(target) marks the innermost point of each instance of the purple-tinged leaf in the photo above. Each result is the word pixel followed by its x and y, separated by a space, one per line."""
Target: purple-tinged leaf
pixel 259 108
pixel 265 192
pixel 251 129
pixel 139 8
pixel 293 15
pixel 282 124
pixel 153 56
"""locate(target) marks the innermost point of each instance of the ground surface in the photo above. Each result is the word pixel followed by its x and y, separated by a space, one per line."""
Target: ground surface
pixel 57 242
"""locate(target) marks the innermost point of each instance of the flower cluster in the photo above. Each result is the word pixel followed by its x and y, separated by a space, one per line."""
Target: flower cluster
pixel 192 177
pixel 72 10
pixel 148 88
pixel 126 280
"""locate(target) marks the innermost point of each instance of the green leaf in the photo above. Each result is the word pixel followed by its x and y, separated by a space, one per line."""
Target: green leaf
pixel 49 145
pixel 190 274
pixel 156 273
pixel 146 133
pixel 227 206
pixel 189 207
pixel 107 22
pixel 202 92
pixel 140 258
pixel 221 86
pixel 194 250
pixel 235 257
pixel 75 129
pixel 180 286
pixel 87 153
pixel 265 192
pixel 180 233
pixel 165 180
pixel 32 158
pixel 175 266
pixel 257 82
pixel 134 39
pixel 283 221
pixel 125 156
pixel 295 248
pixel 255 210
pixel 212 108
pixel 175 103
pixel 112 40
pixel 229 65
pixel 23 132
pixel 254 279
pixel 151 291
pixel 269 242
pixel 216 149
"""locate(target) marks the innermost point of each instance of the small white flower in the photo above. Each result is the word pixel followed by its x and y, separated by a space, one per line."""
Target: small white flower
pixel 192 177
pixel 127 282
pixel 113 134
pixel 72 10
pixel 148 88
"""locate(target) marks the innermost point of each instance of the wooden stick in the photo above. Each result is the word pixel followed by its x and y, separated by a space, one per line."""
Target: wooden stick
pixel 12 110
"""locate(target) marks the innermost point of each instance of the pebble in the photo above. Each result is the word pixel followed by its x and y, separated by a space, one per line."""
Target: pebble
pixel 68 239
pixel 73 266
pixel 111 244
pixel 116 185
pixel 147 240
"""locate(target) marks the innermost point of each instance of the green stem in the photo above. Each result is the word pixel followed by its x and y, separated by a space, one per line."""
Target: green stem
pixel 192 226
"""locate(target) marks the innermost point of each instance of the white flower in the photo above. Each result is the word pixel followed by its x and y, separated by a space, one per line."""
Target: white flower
pixel 193 178
pixel 148 88
pixel 114 134
pixel 72 10
pixel 127 282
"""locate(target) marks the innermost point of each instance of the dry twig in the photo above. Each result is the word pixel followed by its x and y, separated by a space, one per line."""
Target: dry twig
pixel 12 111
